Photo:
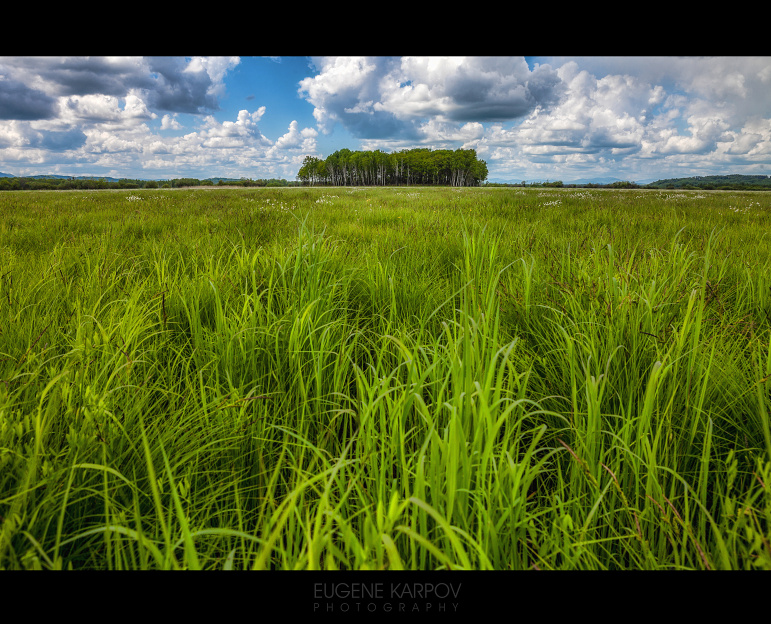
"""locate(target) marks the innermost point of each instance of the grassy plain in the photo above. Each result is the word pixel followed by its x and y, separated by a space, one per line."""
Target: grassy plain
pixel 392 378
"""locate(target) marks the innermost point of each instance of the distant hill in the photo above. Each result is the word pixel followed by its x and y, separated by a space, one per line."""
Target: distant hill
pixel 728 182
pixel 580 182
pixel 732 181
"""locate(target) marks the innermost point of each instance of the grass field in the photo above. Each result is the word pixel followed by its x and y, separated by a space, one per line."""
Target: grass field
pixel 392 378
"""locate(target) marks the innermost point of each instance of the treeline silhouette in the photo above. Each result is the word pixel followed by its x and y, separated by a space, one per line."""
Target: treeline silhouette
pixel 731 182
pixel 42 184
pixel 409 167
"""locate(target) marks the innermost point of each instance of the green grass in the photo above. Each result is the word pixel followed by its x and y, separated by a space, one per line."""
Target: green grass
pixel 401 378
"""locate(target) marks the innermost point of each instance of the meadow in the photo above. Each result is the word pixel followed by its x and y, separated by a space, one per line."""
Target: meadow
pixel 385 378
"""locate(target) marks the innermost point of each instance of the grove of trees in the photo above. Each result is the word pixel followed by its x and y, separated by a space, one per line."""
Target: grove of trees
pixel 406 167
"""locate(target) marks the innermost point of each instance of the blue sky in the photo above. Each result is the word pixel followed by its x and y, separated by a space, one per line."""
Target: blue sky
pixel 632 118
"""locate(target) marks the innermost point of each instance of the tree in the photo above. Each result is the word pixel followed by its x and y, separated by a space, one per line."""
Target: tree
pixel 421 165
pixel 309 172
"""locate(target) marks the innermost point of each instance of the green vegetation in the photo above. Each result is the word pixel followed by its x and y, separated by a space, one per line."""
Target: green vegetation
pixel 47 183
pixel 385 378
pixel 724 182
pixel 411 167
pixel 416 167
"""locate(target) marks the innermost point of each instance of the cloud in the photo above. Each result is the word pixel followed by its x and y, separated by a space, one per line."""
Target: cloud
pixel 96 109
pixel 295 138
pixel 14 135
pixel 169 84
pixel 345 90
pixel 63 140
pixel 18 101
pixel 752 140
pixel 477 89
pixel 169 122
pixel 605 112
pixel 237 148
pixel 384 97
pixel 182 86
pixel 107 142
pixel 65 76
pixel 594 114
pixel 242 131
pixel 628 114
pixel 234 147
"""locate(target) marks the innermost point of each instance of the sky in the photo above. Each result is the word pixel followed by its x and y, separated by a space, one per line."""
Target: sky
pixel 637 118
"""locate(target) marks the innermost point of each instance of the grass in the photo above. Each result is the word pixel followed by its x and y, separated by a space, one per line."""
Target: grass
pixel 401 378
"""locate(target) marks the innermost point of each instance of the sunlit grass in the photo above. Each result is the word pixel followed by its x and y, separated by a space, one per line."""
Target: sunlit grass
pixel 401 378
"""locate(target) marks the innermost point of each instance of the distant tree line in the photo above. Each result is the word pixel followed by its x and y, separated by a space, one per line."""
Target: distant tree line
pixel 420 166
pixel 43 183
pixel 259 182
pixel 732 182
pixel 560 184
pixel 416 167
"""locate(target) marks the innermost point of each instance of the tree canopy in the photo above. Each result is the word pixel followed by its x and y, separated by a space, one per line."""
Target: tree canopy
pixel 406 167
